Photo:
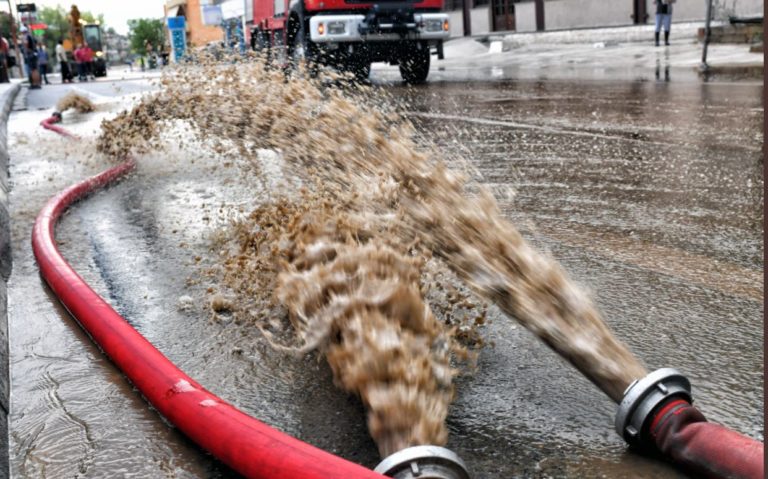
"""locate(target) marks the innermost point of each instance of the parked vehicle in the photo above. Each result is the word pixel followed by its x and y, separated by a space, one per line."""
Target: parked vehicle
pixel 90 33
pixel 94 38
pixel 351 34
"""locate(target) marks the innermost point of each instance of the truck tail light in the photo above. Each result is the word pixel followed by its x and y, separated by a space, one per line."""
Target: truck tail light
pixel 321 29
pixel 446 26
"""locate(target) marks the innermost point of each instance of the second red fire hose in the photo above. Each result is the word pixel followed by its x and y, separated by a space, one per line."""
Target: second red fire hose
pixel 247 445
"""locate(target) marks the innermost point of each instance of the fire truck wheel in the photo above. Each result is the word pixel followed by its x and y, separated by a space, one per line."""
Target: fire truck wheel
pixel 260 40
pixel 414 67
pixel 301 49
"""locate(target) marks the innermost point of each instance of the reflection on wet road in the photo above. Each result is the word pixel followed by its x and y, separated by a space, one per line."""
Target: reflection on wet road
pixel 650 194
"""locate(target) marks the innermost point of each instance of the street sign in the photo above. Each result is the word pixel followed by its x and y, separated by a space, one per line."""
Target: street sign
pixel 176 23
pixel 26 7
pixel 176 26
pixel 179 42
pixel 38 26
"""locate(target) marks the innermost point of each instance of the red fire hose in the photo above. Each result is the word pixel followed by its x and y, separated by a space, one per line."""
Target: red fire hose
pixel 656 415
pixel 48 124
pixel 245 444
pixel 707 450
pixel 656 412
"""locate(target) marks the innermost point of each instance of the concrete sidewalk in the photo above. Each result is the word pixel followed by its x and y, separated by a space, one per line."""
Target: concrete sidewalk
pixel 626 34
pixel 8 92
pixel 605 53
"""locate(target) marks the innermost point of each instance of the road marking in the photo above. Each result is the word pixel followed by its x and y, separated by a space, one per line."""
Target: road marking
pixel 548 129
pixel 692 268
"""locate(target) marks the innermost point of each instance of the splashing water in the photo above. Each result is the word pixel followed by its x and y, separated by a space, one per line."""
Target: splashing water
pixel 345 256
pixel 75 101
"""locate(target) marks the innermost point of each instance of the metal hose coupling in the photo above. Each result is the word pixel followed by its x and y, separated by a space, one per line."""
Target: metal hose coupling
pixel 641 400
pixel 423 462
pixel 57 116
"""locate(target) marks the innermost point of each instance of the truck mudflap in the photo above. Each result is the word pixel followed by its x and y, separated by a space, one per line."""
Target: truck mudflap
pixel 379 26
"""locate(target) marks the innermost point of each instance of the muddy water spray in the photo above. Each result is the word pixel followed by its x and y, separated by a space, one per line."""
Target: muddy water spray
pixel 361 304
pixel 354 295
pixel 75 101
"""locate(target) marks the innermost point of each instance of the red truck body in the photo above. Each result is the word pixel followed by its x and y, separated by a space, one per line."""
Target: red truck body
pixel 323 5
pixel 264 10
pixel 352 34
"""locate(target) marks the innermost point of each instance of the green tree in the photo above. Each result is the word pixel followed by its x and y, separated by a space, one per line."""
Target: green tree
pixel 143 30
pixel 58 25
pixel 5 25
pixel 90 18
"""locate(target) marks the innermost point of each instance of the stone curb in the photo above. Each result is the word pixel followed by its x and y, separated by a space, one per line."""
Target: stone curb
pixel 6 103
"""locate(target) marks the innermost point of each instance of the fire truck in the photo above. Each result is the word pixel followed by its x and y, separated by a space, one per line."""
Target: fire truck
pixel 351 34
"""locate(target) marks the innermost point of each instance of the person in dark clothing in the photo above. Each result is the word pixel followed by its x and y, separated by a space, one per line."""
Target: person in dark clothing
pixel 663 18
pixel 4 53
pixel 30 58
pixel 42 61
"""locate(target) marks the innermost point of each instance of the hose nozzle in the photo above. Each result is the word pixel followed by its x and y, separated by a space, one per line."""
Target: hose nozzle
pixel 423 462
pixel 643 397
pixel 656 414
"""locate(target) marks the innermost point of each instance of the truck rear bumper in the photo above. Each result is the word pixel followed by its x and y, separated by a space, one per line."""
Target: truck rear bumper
pixel 353 28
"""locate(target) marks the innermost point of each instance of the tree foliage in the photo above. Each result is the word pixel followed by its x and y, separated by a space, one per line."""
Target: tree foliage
pixel 143 30
pixel 5 25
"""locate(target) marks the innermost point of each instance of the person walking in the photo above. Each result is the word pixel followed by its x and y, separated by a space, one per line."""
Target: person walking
pixel 61 57
pixel 42 61
pixel 663 18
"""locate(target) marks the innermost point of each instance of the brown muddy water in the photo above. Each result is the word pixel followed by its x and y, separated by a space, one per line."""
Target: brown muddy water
pixel 649 195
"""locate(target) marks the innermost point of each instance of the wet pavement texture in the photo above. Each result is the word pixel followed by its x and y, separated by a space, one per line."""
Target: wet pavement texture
pixel 648 193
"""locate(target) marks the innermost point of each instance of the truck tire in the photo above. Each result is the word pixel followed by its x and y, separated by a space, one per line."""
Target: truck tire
pixel 302 50
pixel 259 40
pixel 414 67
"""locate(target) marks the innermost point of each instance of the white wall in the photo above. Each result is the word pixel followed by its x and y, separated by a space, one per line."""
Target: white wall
pixel 525 16
pixel 480 19
pixel 562 14
pixel 566 14
pixel 456 20
pixel 696 10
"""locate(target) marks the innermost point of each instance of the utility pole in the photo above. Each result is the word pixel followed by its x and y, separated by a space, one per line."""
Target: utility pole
pixel 539 7
pixel 245 24
pixel 704 67
pixel 466 14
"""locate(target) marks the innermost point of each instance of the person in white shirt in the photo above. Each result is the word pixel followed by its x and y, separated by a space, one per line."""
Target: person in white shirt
pixel 61 57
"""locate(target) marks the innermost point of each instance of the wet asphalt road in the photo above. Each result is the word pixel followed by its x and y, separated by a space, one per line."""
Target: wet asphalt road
pixel 649 193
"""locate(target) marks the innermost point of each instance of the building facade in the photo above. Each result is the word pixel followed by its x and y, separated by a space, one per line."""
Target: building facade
pixel 198 34
pixel 478 17
pixel 118 47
